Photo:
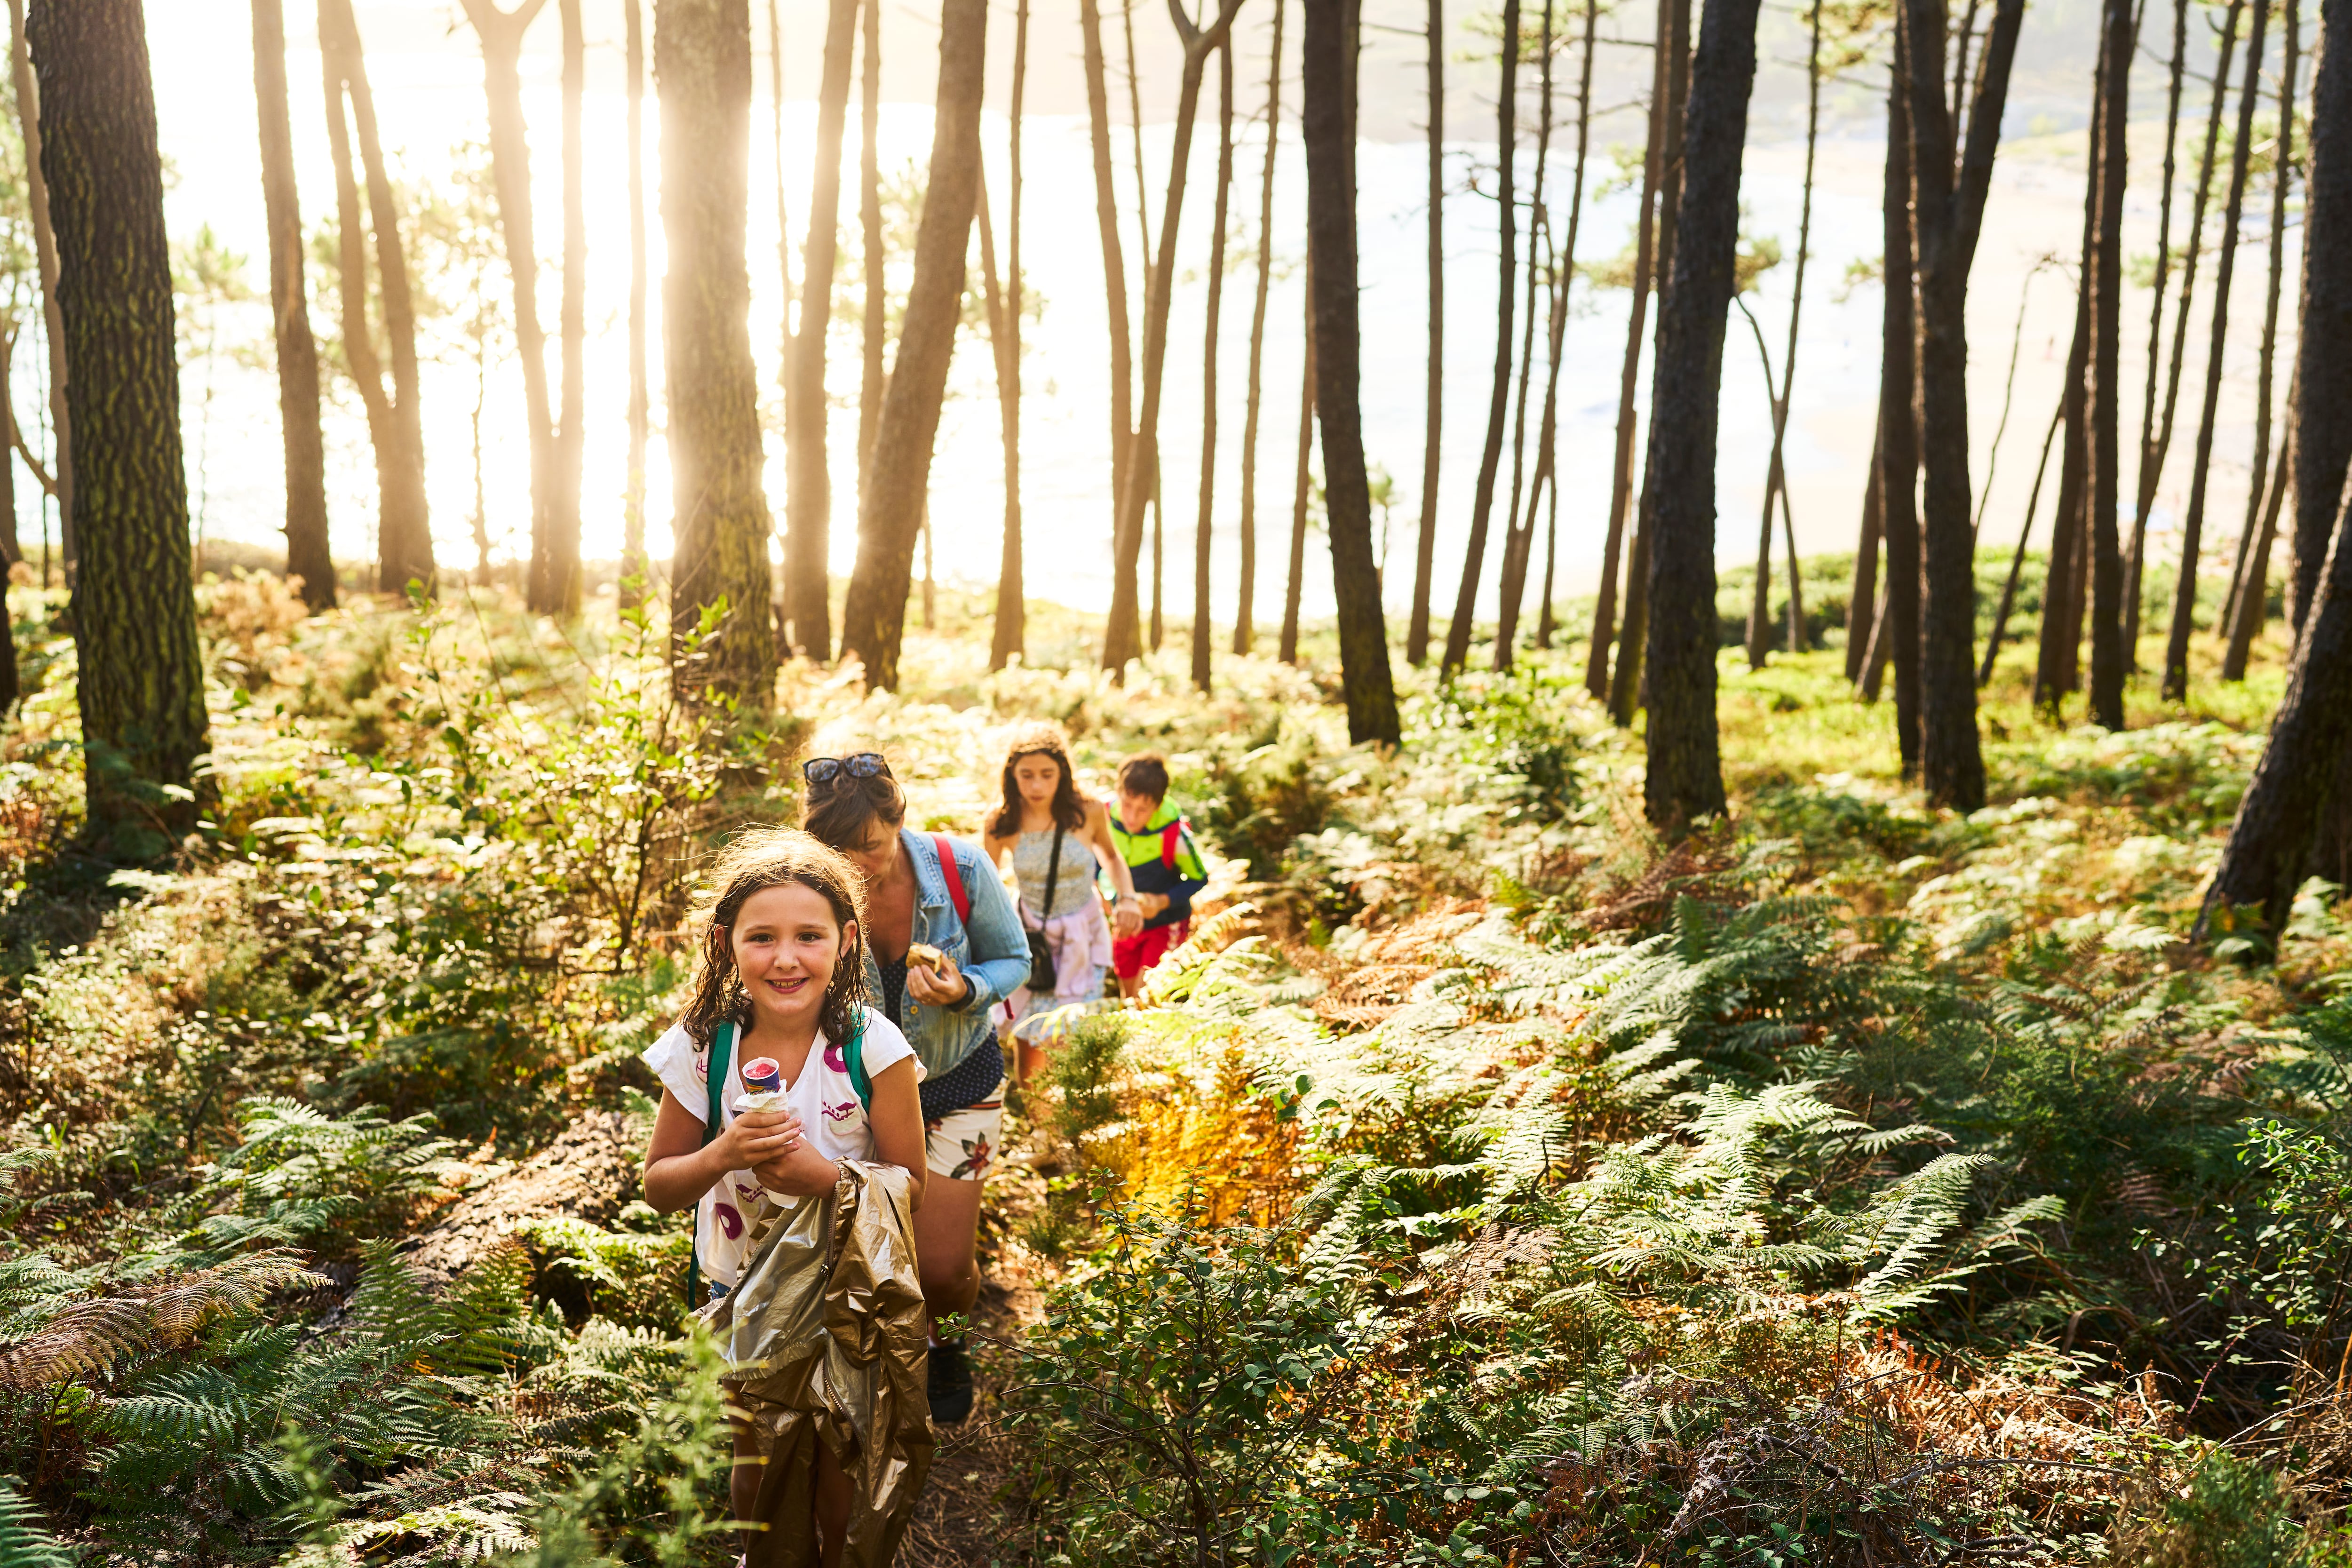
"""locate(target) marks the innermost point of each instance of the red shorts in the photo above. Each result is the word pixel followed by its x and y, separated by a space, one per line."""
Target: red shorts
pixel 1131 955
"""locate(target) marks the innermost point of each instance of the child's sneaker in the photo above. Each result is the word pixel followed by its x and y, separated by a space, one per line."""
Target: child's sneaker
pixel 951 1385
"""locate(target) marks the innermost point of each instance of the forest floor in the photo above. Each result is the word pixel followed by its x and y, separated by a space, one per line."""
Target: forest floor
pixel 1851 1182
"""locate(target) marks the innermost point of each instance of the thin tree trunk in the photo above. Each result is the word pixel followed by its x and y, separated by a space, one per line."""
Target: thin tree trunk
pixel 1898 431
pixel 634 566
pixel 1008 637
pixel 2254 564
pixel 2321 409
pixel 45 256
pixel 1327 69
pixel 874 618
pixel 1620 480
pixel 1951 182
pixel 2103 497
pixel 870 222
pixel 2254 599
pixel 1106 217
pixel 1499 403
pixel 1119 640
pixel 702 71
pixel 1518 540
pixel 403 532
pixel 808 476
pixel 2017 560
pixel 1625 687
pixel 1425 554
pixel 1684 779
pixel 1546 627
pixel 784 220
pixel 564 585
pixel 2184 597
pixel 1563 274
pixel 1201 530
pixel 501 33
pixel 139 675
pixel 306 555
pixel 1245 631
pixel 1863 597
pixel 1294 584
pixel 2150 456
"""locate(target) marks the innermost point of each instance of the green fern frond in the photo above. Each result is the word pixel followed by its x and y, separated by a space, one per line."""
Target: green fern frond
pixel 25 1542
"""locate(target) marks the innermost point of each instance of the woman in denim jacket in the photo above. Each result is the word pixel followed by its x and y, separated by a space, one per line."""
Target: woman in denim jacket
pixel 854 805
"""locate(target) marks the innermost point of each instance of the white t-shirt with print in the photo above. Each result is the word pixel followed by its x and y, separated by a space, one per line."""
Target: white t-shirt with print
pixel 832 1120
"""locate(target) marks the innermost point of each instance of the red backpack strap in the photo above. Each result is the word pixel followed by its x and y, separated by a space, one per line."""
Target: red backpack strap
pixel 1169 836
pixel 956 895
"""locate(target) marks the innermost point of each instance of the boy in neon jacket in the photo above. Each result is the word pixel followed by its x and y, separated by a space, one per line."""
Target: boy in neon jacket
pixel 1156 842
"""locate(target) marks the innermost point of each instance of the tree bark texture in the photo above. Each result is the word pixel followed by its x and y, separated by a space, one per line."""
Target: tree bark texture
pixel 1948 213
pixel 2321 410
pixel 395 423
pixel 1425 552
pixel 2184 597
pixel 702 68
pixel 1684 779
pixel 874 616
pixel 1201 537
pixel 1244 613
pixel 45 256
pixel 2103 495
pixel 140 681
pixel 307 555
pixel 1861 597
pixel 1008 635
pixel 1898 428
pixel 1328 46
pixel 1498 402
pixel 808 478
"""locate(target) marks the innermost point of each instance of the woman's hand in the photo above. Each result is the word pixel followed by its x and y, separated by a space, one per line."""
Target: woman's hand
pixel 948 989
pixel 803 1172
pixel 757 1138
pixel 1127 918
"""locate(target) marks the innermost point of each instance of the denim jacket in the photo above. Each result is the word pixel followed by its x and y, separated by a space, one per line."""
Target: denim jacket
pixel 990 949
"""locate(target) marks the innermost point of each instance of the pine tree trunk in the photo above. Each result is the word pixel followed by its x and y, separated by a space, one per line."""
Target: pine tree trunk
pixel 395 425
pixel 874 617
pixel 1948 216
pixel 2017 560
pixel 1498 402
pixel 1546 627
pixel 1294 583
pixel 1518 541
pixel 563 539
pixel 1008 635
pixel 1106 217
pixel 1201 530
pixel 139 675
pixel 1121 642
pixel 869 223
pixel 2321 410
pixel 1244 629
pixel 501 33
pixel 1625 685
pixel 2151 457
pixel 2184 599
pixel 2254 598
pixel 1776 479
pixel 1327 69
pixel 702 72
pixel 306 555
pixel 1425 552
pixel 2250 583
pixel 1620 482
pixel 2103 496
pixel 1861 599
pixel 808 478
pixel 45 256
pixel 634 566
pixel 1684 779
pixel 1898 429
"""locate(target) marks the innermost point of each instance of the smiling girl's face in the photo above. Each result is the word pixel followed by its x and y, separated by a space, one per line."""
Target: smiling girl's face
pixel 1037 776
pixel 786 943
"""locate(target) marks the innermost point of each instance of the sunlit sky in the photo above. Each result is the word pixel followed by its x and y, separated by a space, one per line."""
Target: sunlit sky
pixel 427 75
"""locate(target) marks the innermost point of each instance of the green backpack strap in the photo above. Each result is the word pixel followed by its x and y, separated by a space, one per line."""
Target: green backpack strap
pixel 854 1054
pixel 722 1047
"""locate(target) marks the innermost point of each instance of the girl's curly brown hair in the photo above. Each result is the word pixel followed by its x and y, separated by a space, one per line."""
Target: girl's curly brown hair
pixel 1038 740
pixel 768 857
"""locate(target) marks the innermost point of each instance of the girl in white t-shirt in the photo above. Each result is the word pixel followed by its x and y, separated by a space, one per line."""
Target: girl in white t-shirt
pixel 781 959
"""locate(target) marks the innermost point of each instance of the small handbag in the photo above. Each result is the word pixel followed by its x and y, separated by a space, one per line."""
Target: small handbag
pixel 1043 981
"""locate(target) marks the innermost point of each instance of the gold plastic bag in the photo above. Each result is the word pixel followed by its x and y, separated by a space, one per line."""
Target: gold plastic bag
pixel 824 1339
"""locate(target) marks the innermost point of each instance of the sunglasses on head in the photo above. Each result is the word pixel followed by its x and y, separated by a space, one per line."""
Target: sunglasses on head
pixel 860 765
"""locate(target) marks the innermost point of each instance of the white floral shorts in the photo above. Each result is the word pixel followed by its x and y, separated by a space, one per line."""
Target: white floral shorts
pixel 961 1146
